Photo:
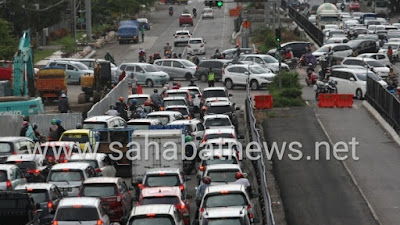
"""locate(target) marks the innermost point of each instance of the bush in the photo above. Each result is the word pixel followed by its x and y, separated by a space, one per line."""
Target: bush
pixel 289 80
pixel 291 93
pixel 280 101
pixel 68 45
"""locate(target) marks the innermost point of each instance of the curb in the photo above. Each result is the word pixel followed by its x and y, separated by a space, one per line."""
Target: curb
pixel 90 55
pixel 389 129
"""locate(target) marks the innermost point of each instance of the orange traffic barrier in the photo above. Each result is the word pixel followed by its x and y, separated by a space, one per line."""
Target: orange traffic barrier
pixel 139 89
pixel 344 100
pixel 263 101
pixel 326 100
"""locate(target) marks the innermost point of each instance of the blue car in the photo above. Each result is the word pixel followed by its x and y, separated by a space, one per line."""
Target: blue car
pixel 144 22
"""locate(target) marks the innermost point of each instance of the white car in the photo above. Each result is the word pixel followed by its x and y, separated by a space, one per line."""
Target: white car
pixel 222 173
pixel 10 177
pixel 194 127
pixel 210 134
pixel 353 81
pixel 217 121
pixel 380 57
pixel 341 50
pixel 208 13
pixel 101 162
pixel 395 47
pixel 372 64
pixel 196 46
pixel 265 61
pixel 165 117
pixel 239 75
pixel 181 36
pixel 337 40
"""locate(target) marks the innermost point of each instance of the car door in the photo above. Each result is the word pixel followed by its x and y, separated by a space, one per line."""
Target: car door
pixel 179 69
pixel 19 178
pixel 338 77
pixel 140 75
pixel 351 81
pixel 198 132
pixel 75 74
pixel 234 74
pixel 167 67
pixel 242 77
pixel 126 196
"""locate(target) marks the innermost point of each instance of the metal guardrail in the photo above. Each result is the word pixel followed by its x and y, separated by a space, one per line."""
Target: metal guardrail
pixel 386 103
pixel 265 198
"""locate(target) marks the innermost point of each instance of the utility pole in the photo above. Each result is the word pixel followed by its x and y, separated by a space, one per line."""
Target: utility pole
pixel 279 42
pixel 88 8
pixel 74 17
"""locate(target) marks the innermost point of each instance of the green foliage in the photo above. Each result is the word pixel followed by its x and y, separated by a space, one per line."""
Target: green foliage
pixel 289 80
pixel 290 94
pixel 8 44
pixel 68 45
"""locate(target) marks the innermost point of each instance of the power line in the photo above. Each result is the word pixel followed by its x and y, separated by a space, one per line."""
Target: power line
pixel 45 9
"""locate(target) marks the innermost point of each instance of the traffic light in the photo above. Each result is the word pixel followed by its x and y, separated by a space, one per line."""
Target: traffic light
pixel 278 35
pixel 220 4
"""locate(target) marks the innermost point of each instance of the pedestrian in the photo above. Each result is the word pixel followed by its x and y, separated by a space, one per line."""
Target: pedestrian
pixel 112 111
pixel 211 78
pixel 134 84
pixel 121 76
pixel 142 32
pixel 60 129
pixel 24 127
pixel 53 130
pixel 63 105
pixel 109 57
pixel 30 133
pixel 196 60
pixel 240 179
pixel 122 108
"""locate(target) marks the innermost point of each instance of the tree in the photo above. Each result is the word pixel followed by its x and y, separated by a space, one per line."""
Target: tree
pixel 8 44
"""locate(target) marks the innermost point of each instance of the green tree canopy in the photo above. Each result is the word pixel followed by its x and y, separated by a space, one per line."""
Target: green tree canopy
pixel 8 44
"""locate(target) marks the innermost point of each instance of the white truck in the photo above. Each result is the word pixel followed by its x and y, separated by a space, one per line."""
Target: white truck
pixel 382 8
pixel 169 153
pixel 327 13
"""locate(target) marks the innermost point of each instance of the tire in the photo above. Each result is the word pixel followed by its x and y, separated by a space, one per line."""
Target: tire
pixel 254 85
pixel 175 44
pixel 188 76
pixel 203 78
pixel 229 84
pixel 149 83
pixel 359 94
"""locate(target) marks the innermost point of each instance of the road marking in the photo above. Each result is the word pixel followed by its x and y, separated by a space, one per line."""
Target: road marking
pixel 348 171
pixel 307 102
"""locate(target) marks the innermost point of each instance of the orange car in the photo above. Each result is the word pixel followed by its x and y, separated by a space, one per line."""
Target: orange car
pixel 167 195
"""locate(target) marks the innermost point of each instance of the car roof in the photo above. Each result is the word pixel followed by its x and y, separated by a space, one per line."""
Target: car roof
pixel 225 187
pixel 135 63
pixel 186 14
pixel 139 96
pixel 102 180
pixel 24 157
pixel 46 186
pixel 220 103
pixel 222 140
pixel 163 170
pixel 190 88
pixel 174 98
pixel 217 152
pixel 182 31
pixel 223 167
pixel 214 88
pixel 165 191
pixel 81 201
pixel 362 59
pixel 143 121
pixel 196 38
pixel 154 209
pixel 100 118
pixel 215 116
pixel 14 139
pixel 354 70
pixel 169 113
pixel 88 156
pixel 71 165
pixel 176 106
pixel 185 122
pixel 177 90
pixel 225 212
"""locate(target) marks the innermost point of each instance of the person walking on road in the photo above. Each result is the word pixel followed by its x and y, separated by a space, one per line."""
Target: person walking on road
pixel 142 32
pixel 24 127
pixel 60 129
pixel 211 78
pixel 63 105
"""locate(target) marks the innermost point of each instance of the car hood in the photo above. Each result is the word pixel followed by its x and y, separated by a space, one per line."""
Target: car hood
pixel 382 69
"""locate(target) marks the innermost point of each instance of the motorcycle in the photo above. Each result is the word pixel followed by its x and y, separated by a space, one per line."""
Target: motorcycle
pixel 325 88
pixel 171 12
pixel 311 77
pixel 142 57
pixel 303 61
pixel 292 63
pixel 194 14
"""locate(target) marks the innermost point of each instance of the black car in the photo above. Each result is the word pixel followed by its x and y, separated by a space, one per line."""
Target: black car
pixel 298 48
pixel 361 46
pixel 216 66
pixel 18 208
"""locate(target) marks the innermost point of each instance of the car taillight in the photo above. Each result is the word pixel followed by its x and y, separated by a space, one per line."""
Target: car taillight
pixel 99 222
pixel 50 205
pixel 55 222
pixel 180 206
pixel 14 153
pixel 251 216
pixel 182 187
pixel 248 206
pixel 197 67
pixel 34 171
pixel 202 168
pixel 8 184
pixel 201 210
pixel 98 170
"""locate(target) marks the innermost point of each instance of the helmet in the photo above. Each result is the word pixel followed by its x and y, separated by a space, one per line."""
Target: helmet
pixel 78 126
pixel 53 122
pixel 238 175
pixel 192 81
pixel 155 90
pixel 121 99
pixel 147 102
pixel 310 64
pixel 216 50
pixel 188 138
pixel 207 180
pixel 58 121
pixel 134 101
pixel 25 123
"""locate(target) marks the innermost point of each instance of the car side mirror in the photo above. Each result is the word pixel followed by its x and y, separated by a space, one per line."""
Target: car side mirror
pixel 352 79
pixel 246 73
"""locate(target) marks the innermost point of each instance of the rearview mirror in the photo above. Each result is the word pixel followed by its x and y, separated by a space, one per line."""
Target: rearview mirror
pixel 352 79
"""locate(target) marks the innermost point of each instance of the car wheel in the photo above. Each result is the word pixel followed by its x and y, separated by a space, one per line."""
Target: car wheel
pixel 175 44
pixel 359 94
pixel 149 83
pixel 203 78
pixel 188 76
pixel 229 84
pixel 254 85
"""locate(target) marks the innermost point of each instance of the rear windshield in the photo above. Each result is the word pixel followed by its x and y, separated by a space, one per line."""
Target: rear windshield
pixel 217 161
pixel 177 94
pixel 222 176
pixel 81 138
pixel 214 93
pixel 163 119
pixel 139 101
pixel 99 190
pixel 77 214
pixel 40 196
pixel 218 122
pixel 224 200
pixel 23 165
pixel 219 109
pixel 139 126
pixel 173 200
pixel 5 147
pixel 225 221
pixel 159 220
pixel 183 111
pixel 160 181
pixel 93 163
pixel 72 175
pixel 174 102
pixel 95 125
pixel 222 135
pixel 3 175
pixel 195 41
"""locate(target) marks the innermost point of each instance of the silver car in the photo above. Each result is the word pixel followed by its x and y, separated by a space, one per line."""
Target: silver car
pixel 176 68
pixel 10 177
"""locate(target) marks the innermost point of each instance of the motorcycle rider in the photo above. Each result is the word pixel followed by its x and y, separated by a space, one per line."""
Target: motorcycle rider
pixel 142 55
pixel 289 54
pixel 189 151
pixel 171 10
pixel 194 12
pixel 156 99
pixel 157 55
pixel 217 54
pixel 174 55
pixel 109 57
pixel 151 59
pixel 167 48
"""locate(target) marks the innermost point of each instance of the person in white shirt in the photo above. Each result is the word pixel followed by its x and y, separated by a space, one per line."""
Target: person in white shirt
pixel 240 179
pixel 112 111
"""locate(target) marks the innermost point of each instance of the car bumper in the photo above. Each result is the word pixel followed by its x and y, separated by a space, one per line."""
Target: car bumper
pixel 196 51
pixel 181 41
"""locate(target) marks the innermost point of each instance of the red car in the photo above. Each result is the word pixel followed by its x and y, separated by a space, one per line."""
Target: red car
pixel 55 150
pixel 185 19
pixel 167 195
pixel 355 6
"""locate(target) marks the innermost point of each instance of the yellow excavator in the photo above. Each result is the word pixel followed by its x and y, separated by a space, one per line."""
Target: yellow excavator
pixel 98 84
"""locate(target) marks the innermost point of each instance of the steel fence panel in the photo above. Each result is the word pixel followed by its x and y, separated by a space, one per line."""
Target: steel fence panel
pixel 12 125
pixel 43 121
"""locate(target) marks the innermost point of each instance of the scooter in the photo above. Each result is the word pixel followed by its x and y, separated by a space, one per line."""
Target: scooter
pixel 171 12
pixel 325 88
pixel 194 14
pixel 311 77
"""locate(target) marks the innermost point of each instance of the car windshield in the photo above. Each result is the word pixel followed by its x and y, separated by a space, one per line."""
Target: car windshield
pixel 177 94
pixel 159 220
pixel 95 125
pixel 81 66
pixel 170 200
pixel 375 64
pixel 139 100
pixel 225 221
pixel 92 162
pixel 183 111
pixel 150 68
pixel 40 196
pixel 217 122
pixel 214 93
pixel 219 109
pixel 60 175
pixel 99 190
pixel 174 102
pixel 257 70
pixel 362 76
pixel 322 49
pixel 225 200
pixel 23 165
pixel 354 43
pixel 195 41
pixel 77 213
pixel 188 63
pixel 162 118
pixel 162 180
pixel 5 147
pixel 269 59
pixel 222 175
pixel 81 138
pixel 3 175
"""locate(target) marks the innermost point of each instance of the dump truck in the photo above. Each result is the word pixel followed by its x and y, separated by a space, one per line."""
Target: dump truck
pixel 51 82
pixel 128 31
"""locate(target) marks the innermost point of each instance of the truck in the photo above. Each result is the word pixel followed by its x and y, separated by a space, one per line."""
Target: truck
pixel 98 84
pixel 18 208
pixel 149 157
pixel 382 8
pixel 128 30
pixel 51 82
pixel 327 13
